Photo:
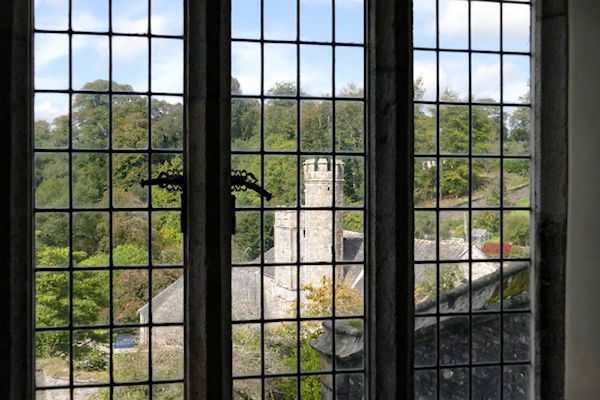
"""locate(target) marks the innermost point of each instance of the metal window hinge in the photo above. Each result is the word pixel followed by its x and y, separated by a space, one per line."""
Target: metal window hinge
pixel 173 181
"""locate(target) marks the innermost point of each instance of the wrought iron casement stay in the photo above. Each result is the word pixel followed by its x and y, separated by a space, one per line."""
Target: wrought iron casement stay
pixel 171 180
pixel 242 180
pixel 174 181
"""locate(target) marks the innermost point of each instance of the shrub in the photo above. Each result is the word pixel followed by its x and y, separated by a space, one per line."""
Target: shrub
pixel 516 228
pixel 493 248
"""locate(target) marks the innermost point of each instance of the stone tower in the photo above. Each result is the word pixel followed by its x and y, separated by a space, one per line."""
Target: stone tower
pixel 316 226
pixel 317 239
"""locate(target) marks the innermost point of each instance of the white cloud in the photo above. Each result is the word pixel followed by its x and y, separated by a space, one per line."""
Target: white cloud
pixel 485 81
pixel 280 64
pixel 427 72
pixel 485 20
pixel 454 17
pixel 349 3
pixel 315 80
pixel 245 66
pixel 52 3
pixel 280 30
pixel 51 61
pixel 88 21
pixel 130 25
pixel 454 73
pixel 98 44
pixel 246 34
pixel 424 23
pixel 167 66
pixel 130 61
pixel 424 6
pixel 516 19
pixel 47 110
pixel 159 23
pixel 516 82
pixel 129 48
pixel 49 48
pixel 352 3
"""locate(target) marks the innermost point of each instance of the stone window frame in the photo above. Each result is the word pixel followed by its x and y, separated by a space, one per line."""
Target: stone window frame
pixel 390 300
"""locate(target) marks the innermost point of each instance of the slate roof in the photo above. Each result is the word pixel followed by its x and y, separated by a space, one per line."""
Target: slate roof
pixel 425 250
pixel 163 296
pixel 354 246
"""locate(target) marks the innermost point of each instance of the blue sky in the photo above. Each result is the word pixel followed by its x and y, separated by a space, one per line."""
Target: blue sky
pixel 130 55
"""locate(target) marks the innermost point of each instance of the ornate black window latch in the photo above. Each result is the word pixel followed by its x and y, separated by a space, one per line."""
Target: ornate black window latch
pixel 174 181
pixel 242 180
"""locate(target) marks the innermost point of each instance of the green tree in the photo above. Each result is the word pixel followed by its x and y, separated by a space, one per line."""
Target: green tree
pixel 52 135
pixel 316 121
pixel 167 125
pixel 245 123
pixel 51 180
pixel 425 173
pixel 488 220
pixel 245 120
pixel 280 118
pixel 91 116
pixel 517 133
pixel 90 306
pixel 90 179
pixel 131 291
pixel 516 228
pixel 349 125
pixel 130 122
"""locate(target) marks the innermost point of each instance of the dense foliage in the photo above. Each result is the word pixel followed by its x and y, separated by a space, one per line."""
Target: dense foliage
pixel 90 243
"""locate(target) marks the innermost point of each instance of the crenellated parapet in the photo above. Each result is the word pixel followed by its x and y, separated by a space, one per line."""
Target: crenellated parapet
pixel 319 181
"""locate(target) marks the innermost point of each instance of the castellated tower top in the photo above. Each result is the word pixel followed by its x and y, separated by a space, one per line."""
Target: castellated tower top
pixel 318 183
pixel 316 170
